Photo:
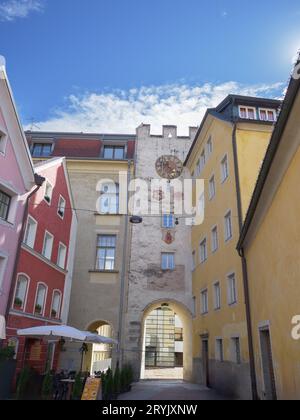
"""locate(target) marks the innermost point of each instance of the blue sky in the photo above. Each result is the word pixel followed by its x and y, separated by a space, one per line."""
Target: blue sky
pixel 108 65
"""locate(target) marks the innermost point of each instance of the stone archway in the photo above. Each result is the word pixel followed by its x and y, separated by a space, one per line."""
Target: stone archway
pixel 185 317
pixel 99 356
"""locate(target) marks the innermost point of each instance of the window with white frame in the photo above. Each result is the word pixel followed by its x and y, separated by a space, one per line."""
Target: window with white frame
pixel 267 115
pixel 61 207
pixel 109 200
pixel 247 112
pixel 168 221
pixel 40 299
pixel 106 252
pixel 228 226
pixel 48 192
pixel 217 295
pixel 201 205
pixel 214 239
pixel 3 261
pixel 224 169
pixel 219 350
pixel 212 187
pixel 30 232
pixel 167 261
pixel 41 149
pixel 204 302
pixel 236 350
pixel 193 260
pixel 3 138
pixel 21 292
pixel 56 302
pixel 47 246
pixel 209 147
pixel 5 201
pixel 232 292
pixel 202 160
pixel 203 251
pixel 61 255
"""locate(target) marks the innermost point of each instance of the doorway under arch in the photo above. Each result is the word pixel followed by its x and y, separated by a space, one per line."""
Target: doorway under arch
pixel 98 356
pixel 166 341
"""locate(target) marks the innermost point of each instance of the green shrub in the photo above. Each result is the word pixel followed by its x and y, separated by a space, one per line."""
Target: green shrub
pixel 7 353
pixel 47 387
pixel 108 385
pixel 78 387
pixel 117 381
pixel 23 382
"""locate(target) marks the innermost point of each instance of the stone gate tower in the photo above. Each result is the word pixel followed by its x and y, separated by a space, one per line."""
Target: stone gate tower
pixel 149 284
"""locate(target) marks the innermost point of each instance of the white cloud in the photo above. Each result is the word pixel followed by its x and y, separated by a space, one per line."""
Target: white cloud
pixel 122 111
pixel 13 9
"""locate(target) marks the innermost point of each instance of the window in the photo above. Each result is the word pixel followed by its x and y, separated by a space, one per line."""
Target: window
pixel 47 247
pixel 232 293
pixel 109 201
pixel 2 142
pixel 61 256
pixel 203 251
pixel 4 205
pixel 168 221
pixel 106 252
pixel 56 301
pixel 198 168
pixel 209 147
pixel 236 350
pixel 30 232
pixel 247 113
pixel 219 350
pixel 204 302
pixel 21 292
pixel 212 187
pixel 40 299
pixel 167 261
pixel 114 152
pixel 217 293
pixel 48 192
pixel 214 239
pixel 41 149
pixel 3 260
pixel 193 260
pixel 267 115
pixel 201 209
pixel 202 161
pixel 228 226
pixel 61 207
pixel 224 169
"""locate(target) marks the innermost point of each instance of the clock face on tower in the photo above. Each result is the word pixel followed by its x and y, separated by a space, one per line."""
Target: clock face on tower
pixel 169 167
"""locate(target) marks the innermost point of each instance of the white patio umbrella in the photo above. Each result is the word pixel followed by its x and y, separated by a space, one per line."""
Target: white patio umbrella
pixel 56 332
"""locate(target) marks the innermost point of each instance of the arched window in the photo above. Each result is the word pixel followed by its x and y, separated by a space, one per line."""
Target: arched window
pixel 56 302
pixel 21 292
pixel 40 299
pixel 109 202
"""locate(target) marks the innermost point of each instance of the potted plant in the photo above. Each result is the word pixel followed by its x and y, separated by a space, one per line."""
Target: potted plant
pixel 61 213
pixel 53 313
pixel 7 371
pixel 18 303
pixel 117 382
pixel 38 309
pixel 47 198
pixel 23 382
pixel 78 387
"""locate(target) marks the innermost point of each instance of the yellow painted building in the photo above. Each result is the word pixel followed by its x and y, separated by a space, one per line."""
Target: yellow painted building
pixel 270 244
pixel 227 153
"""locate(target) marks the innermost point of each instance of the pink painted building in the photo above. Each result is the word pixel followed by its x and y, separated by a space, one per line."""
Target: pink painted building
pixel 16 182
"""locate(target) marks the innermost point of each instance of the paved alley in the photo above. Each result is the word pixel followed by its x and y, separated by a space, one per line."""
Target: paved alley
pixel 169 391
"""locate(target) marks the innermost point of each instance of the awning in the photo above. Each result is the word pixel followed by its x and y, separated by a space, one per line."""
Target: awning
pixel 56 332
pixel 2 328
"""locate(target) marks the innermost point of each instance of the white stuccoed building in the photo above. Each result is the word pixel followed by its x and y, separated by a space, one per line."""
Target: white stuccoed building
pixel 149 284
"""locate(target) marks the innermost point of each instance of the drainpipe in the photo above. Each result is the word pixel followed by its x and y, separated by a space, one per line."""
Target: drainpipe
pixel 123 274
pixel 39 182
pixel 245 272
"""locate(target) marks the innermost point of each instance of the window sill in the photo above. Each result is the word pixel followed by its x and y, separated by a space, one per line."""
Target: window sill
pixel 104 271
